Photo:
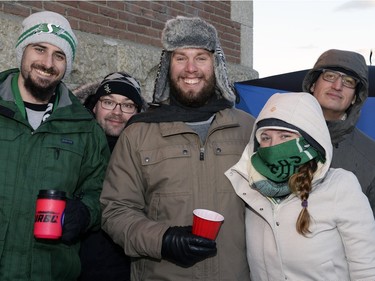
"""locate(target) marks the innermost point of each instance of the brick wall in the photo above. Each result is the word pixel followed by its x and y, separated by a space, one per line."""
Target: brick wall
pixel 137 21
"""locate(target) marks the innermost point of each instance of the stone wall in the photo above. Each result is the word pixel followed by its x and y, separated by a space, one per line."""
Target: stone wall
pixel 129 45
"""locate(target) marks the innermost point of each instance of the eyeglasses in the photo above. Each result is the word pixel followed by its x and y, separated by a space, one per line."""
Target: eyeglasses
pixel 129 108
pixel 347 80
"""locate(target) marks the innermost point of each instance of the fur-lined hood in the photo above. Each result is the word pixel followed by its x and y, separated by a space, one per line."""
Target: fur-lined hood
pixel 86 90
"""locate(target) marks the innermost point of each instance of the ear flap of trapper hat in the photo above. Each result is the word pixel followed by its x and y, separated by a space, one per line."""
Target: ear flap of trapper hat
pixel 161 87
pixel 221 75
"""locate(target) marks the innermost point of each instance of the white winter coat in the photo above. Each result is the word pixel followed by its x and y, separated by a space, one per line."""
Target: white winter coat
pixel 341 245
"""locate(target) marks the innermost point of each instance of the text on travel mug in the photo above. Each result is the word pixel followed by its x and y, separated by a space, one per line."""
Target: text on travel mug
pixel 49 214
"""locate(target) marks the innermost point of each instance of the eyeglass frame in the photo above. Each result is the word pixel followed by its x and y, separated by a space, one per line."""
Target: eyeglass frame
pixel 341 75
pixel 119 103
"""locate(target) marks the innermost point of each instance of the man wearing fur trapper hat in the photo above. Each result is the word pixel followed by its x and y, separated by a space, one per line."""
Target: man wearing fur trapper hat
pixel 171 160
pixel 339 81
pixel 48 141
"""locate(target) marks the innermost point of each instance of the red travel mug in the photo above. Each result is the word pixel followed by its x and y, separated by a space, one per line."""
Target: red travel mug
pixel 49 214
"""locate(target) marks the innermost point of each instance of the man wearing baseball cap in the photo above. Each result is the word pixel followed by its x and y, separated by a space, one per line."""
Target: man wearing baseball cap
pixel 47 141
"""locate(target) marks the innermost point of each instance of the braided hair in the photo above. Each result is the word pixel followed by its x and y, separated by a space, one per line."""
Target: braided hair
pixel 301 184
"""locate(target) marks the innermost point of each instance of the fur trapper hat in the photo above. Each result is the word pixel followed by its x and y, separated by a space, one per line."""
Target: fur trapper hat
pixel 48 27
pixel 184 32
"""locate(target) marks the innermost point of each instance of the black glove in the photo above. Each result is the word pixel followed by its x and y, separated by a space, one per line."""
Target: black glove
pixel 185 249
pixel 76 220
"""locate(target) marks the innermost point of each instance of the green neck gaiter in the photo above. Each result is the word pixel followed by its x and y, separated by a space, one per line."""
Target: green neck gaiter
pixel 279 162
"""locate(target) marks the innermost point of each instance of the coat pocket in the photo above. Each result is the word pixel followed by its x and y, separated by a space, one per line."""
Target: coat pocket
pixel 61 162
pixel 168 169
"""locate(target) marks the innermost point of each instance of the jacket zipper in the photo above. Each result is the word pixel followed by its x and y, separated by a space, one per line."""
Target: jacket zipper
pixel 201 154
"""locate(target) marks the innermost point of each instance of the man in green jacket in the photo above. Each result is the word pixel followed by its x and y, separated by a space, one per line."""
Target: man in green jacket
pixel 48 140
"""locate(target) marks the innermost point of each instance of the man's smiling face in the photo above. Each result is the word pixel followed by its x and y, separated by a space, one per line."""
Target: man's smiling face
pixel 192 76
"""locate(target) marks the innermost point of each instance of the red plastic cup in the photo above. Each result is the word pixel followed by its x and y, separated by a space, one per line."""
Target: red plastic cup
pixel 206 223
pixel 49 214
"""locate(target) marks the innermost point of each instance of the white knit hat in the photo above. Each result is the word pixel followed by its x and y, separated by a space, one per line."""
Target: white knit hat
pixel 48 27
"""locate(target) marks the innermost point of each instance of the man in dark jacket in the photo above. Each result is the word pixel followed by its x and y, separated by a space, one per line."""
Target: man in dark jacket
pixel 339 81
pixel 113 102
pixel 48 140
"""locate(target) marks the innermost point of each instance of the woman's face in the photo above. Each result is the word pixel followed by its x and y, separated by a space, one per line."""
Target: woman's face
pixel 274 137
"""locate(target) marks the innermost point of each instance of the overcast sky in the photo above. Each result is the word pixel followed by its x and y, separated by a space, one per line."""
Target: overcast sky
pixel 290 35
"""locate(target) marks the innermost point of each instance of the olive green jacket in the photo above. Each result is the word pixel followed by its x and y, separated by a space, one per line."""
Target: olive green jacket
pixel 158 174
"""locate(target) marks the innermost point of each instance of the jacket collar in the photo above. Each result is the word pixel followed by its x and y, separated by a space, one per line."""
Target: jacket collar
pixel 223 119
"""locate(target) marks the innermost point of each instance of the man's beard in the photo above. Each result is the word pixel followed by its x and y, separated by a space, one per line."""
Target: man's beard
pixel 40 89
pixel 192 99
pixel 112 131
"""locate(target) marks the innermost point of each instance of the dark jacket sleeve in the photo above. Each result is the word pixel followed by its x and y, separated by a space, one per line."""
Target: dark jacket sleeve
pixel 93 171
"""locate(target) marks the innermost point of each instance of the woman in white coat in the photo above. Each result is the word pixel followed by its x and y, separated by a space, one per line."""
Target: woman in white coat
pixel 305 220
